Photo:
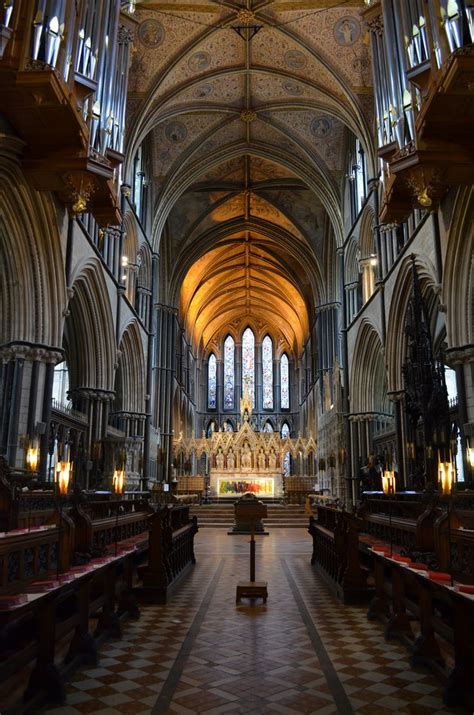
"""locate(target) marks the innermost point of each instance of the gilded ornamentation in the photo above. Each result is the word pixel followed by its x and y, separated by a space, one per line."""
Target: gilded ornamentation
pixel 150 33
pixel 245 17
pixel 248 115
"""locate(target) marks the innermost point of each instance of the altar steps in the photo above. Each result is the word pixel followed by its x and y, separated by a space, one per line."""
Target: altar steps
pixel 221 515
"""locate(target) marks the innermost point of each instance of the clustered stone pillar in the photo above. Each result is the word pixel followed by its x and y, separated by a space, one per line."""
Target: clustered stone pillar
pixel 26 386
pixel 164 370
pixel 461 359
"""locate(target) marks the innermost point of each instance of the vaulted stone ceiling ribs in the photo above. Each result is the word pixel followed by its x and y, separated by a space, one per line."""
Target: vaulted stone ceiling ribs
pixel 249 142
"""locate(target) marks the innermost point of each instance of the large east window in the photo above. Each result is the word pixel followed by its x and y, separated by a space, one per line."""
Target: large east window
pixel 239 371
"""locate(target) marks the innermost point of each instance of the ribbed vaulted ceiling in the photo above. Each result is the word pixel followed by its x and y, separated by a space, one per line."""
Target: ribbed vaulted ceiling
pixel 248 145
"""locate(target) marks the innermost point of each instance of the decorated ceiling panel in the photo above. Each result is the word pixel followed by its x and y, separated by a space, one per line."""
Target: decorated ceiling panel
pixel 250 119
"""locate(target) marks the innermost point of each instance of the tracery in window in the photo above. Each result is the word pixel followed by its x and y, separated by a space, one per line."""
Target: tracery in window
pixel 284 382
pixel 285 432
pixel 229 373
pixel 267 368
pixel 268 427
pixel 212 383
pixel 248 363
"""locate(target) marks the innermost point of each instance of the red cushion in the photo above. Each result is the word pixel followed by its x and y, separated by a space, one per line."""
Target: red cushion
pixel 439 576
pixel 402 559
pixel 463 588
pixel 420 567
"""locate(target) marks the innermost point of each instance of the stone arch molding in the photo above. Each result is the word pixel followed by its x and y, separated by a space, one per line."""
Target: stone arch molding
pixel 396 342
pixel 89 330
pixel 368 379
pixel 458 283
pixel 32 281
pixel 132 371
pixel 177 185
pixel 343 98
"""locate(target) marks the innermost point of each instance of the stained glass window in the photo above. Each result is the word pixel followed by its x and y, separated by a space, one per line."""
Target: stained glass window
pixel 285 383
pixel 285 432
pixel 268 427
pixel 267 368
pixel 212 383
pixel 248 363
pixel 229 375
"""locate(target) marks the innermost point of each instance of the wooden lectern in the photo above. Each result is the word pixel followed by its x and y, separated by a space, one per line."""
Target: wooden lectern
pixel 250 510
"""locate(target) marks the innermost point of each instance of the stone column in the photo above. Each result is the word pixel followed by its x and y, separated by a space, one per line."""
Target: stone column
pixel 25 400
pixel 462 361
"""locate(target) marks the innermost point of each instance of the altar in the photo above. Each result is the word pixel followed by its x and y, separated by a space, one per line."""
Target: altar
pixel 245 460
pixel 234 484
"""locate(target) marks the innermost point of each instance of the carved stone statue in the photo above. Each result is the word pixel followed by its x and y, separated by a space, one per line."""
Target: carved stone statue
pixel 272 460
pixel 231 460
pixel 261 459
pixel 246 458
pixel 220 460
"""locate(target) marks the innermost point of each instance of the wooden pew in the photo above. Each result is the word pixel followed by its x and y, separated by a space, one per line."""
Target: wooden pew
pixel 35 616
pixel 170 553
pixel 336 552
pixel 423 612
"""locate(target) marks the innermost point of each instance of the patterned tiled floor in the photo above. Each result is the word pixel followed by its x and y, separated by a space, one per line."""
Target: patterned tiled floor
pixel 302 652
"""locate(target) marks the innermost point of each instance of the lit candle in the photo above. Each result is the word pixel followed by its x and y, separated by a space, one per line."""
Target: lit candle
pixel 118 480
pixel 63 475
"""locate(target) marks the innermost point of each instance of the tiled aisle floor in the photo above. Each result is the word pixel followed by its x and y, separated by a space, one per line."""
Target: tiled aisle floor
pixel 301 653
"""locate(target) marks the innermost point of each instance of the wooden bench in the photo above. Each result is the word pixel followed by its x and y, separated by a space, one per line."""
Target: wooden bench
pixel 336 552
pixel 87 563
pixel 425 613
pixel 170 553
pixel 37 615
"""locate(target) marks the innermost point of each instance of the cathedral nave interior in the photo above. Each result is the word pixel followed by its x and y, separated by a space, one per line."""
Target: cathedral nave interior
pixel 236 268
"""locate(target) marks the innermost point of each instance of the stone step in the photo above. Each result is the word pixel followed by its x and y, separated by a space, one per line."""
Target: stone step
pixel 268 525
